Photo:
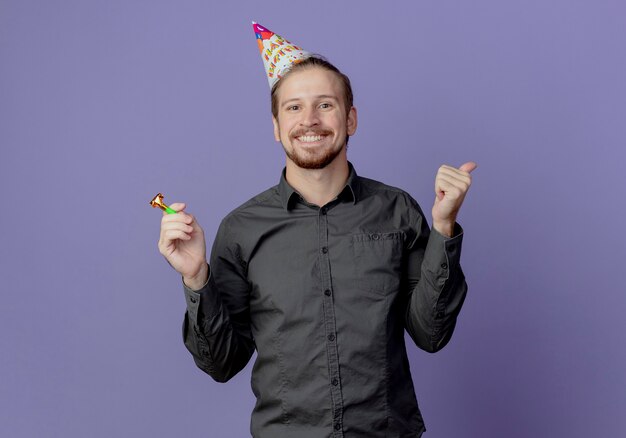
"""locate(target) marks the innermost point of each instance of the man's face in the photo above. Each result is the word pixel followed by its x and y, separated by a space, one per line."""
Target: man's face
pixel 312 123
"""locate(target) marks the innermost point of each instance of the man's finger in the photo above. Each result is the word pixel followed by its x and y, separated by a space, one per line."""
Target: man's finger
pixel 456 174
pixel 468 167
pixel 177 206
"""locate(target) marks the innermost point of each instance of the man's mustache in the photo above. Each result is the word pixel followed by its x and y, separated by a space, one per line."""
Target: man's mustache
pixel 311 131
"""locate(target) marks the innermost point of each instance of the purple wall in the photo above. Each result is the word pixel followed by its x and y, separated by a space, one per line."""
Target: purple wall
pixel 105 103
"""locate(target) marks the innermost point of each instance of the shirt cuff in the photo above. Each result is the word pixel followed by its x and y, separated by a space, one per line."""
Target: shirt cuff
pixel 192 299
pixel 443 252
pixel 203 303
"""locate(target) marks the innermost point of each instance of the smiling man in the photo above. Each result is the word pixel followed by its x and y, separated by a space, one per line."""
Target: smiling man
pixel 315 120
pixel 323 273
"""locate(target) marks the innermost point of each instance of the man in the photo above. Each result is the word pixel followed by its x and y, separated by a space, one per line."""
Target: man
pixel 321 274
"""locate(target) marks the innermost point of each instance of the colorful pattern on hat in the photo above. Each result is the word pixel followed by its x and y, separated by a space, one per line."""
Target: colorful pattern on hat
pixel 277 53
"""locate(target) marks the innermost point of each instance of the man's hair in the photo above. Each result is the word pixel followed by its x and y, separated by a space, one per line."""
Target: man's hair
pixel 310 62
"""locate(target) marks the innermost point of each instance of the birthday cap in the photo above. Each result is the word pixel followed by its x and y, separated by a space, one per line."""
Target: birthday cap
pixel 278 54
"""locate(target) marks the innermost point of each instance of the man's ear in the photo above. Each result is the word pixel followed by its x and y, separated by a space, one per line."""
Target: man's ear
pixel 276 130
pixel 352 122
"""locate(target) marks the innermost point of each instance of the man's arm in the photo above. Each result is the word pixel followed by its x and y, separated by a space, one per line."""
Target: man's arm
pixel 216 328
pixel 219 341
pixel 437 286
pixel 436 282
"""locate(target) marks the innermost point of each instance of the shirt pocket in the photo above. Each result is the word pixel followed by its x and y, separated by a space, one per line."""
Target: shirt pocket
pixel 378 260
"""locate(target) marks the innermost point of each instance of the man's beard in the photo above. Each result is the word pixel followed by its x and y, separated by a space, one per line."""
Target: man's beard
pixel 315 161
pixel 305 160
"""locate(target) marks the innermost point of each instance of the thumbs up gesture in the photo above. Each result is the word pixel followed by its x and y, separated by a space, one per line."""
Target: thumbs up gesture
pixel 451 186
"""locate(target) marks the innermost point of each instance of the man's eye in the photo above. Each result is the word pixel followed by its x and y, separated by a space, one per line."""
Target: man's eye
pixel 292 107
pixel 325 105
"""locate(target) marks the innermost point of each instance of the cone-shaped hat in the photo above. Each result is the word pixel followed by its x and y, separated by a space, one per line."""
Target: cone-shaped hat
pixel 277 53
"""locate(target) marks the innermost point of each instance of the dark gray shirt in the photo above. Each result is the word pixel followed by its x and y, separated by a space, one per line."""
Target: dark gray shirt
pixel 324 295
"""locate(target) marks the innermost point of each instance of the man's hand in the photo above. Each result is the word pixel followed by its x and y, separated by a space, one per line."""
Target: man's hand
pixel 451 186
pixel 182 244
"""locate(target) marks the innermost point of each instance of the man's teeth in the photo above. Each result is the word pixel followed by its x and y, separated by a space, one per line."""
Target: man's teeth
pixel 310 138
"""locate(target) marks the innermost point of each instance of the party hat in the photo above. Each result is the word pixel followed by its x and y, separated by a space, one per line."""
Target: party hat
pixel 277 53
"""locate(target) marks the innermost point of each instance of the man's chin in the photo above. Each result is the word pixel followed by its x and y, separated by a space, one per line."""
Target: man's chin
pixel 315 162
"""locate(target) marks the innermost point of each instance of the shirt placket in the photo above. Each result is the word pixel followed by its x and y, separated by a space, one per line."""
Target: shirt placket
pixel 330 326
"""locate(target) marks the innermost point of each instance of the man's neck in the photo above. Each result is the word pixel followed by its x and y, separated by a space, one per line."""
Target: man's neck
pixel 319 186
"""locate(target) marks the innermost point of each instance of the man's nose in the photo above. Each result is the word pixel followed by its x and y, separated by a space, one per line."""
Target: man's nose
pixel 310 117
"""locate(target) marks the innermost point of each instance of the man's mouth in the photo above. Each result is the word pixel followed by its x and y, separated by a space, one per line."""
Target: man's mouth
pixel 310 138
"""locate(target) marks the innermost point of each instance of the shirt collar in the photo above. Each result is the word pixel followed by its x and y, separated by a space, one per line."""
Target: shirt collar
pixel 349 193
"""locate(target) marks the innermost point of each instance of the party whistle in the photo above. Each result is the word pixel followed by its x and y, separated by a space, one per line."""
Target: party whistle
pixel 157 201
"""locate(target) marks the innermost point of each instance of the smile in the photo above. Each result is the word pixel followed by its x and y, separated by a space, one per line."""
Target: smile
pixel 310 138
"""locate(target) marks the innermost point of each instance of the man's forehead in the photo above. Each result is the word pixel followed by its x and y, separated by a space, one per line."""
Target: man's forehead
pixel 310 83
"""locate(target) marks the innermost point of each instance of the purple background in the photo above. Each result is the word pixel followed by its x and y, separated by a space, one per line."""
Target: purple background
pixel 105 103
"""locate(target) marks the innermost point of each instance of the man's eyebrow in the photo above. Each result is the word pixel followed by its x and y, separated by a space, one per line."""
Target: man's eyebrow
pixel 319 96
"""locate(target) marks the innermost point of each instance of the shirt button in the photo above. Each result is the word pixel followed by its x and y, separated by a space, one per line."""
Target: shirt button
pixel 325 250
pixel 331 337
pixel 327 292
pixel 193 300
pixel 337 426
pixel 444 265
pixel 335 382
pixel 439 315
pixel 324 210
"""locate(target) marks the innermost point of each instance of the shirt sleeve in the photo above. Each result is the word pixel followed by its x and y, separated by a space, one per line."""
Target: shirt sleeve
pixel 436 284
pixel 216 327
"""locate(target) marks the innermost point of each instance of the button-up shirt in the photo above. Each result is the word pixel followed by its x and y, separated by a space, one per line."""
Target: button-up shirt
pixel 324 295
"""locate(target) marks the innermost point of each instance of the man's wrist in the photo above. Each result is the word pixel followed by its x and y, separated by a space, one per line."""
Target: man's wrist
pixel 198 281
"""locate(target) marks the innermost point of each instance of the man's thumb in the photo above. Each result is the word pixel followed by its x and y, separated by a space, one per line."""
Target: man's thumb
pixel 178 206
pixel 468 167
